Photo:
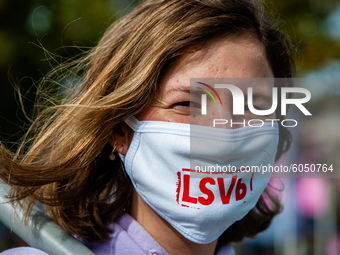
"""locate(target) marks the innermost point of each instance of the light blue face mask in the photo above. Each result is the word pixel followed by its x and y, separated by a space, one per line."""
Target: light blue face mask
pixel 167 163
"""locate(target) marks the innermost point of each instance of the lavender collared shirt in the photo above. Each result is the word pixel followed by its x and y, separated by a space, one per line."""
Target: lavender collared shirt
pixel 129 237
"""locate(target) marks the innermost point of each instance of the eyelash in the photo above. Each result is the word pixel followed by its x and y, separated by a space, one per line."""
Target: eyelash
pixel 187 104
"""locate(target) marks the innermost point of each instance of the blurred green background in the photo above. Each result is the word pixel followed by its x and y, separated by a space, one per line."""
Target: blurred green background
pixel 37 35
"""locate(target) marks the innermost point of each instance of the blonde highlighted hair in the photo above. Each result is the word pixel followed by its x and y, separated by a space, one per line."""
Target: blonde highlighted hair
pixel 64 160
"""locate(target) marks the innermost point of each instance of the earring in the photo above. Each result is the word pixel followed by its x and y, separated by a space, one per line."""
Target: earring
pixel 112 156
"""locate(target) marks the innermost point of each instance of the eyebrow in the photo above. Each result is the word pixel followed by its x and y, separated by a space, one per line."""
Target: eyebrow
pixel 198 92
pixel 187 90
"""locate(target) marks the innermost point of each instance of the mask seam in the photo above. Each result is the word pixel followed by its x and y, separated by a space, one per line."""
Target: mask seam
pixel 130 155
pixel 162 127
pixel 218 133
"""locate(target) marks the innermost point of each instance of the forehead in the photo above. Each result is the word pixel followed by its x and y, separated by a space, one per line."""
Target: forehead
pixel 232 57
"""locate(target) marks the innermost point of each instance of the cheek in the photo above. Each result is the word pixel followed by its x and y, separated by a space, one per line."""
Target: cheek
pixel 149 113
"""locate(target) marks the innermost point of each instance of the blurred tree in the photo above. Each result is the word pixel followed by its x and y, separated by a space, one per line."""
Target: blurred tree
pixel 35 36
pixel 311 25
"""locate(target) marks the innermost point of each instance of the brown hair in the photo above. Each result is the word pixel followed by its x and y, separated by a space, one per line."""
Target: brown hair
pixel 63 161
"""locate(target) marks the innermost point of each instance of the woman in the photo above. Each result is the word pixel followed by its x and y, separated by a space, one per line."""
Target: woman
pixel 71 159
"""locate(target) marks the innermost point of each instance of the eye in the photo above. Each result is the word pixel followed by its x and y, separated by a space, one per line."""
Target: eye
pixel 187 104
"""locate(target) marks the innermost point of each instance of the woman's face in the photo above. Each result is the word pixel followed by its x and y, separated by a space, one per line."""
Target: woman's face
pixel 237 57
pixel 234 57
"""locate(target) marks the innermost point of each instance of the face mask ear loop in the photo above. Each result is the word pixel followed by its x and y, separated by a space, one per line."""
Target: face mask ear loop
pixel 123 168
pixel 132 122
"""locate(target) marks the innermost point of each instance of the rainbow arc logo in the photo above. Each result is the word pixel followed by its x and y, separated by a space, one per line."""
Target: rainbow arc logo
pixel 204 97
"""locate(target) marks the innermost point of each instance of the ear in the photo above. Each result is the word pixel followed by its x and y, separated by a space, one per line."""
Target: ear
pixel 121 138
